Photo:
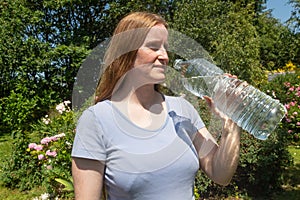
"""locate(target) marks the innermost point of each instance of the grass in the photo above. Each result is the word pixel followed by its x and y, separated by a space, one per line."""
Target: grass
pixel 291 188
pixel 8 194
pixel 292 178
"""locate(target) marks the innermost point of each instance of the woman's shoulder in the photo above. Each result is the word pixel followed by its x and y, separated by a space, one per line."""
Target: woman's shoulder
pixel 99 107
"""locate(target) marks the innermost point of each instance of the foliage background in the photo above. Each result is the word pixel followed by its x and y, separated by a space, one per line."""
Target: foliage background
pixel 43 44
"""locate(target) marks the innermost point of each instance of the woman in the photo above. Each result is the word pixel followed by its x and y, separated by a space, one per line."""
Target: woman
pixel 137 142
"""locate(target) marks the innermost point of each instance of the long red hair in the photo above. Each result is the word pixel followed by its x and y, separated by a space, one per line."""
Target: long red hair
pixel 135 26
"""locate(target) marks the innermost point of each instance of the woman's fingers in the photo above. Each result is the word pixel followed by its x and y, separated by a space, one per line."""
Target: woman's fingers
pixel 214 109
pixel 230 75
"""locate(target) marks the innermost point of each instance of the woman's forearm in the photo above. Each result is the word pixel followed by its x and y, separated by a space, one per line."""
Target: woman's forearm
pixel 219 161
pixel 226 157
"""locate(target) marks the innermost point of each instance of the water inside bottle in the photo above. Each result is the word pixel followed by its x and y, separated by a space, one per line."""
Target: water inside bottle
pixel 251 109
pixel 199 85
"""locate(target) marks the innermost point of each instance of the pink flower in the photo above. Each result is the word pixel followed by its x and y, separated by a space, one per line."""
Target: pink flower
pixel 292 103
pixel 287 106
pixel 49 167
pixel 298 94
pixel 41 156
pixel 32 145
pixel 45 140
pixel 288 120
pixel 295 113
pixel 287 84
pixel 290 131
pixel 53 138
pixel 38 147
pixel 292 88
pixel 298 123
pixel 51 153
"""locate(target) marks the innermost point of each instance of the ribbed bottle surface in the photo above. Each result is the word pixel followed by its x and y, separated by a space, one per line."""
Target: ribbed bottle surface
pixel 252 110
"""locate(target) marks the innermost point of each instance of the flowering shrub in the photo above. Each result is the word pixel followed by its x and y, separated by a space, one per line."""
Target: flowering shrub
pixel 292 119
pixel 55 133
pixel 47 150
pixel 43 155
pixel 63 107
pixel 284 85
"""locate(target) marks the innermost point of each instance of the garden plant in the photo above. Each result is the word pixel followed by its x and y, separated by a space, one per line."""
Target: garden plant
pixel 44 43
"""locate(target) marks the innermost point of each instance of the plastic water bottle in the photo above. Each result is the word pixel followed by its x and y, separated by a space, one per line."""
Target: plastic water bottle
pixel 252 110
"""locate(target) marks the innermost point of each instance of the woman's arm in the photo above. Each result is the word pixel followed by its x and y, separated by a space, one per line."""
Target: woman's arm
pixel 219 161
pixel 88 178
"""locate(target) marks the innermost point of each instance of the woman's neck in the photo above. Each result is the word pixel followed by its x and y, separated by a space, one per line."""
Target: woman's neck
pixel 133 92
pixel 144 106
pixel 146 96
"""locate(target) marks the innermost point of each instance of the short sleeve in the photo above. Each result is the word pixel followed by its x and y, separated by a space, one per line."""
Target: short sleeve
pixel 194 116
pixel 89 139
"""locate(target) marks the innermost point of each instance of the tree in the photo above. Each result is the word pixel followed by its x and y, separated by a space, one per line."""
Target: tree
pixel 294 21
pixel 226 32
pixel 277 42
pixel 294 24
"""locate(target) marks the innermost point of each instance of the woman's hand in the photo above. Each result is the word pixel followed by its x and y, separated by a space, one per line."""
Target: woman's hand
pixel 226 94
pixel 213 108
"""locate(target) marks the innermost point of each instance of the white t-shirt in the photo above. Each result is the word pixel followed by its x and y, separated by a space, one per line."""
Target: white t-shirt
pixel 142 164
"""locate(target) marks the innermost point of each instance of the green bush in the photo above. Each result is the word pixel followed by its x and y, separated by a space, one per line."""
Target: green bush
pixel 44 155
pixel 23 107
pixel 17 112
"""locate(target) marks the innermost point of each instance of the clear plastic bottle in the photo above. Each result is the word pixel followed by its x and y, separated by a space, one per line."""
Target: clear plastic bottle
pixel 252 110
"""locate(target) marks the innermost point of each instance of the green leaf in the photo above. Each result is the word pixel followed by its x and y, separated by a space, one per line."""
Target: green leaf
pixel 67 183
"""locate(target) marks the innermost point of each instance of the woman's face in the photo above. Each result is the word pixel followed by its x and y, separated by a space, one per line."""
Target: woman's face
pixel 152 58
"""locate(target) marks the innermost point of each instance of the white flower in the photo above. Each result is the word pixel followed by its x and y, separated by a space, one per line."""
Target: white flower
pixel 60 135
pixel 46 120
pixel 273 94
pixel 68 143
pixel 61 108
pixel 45 196
pixel 67 102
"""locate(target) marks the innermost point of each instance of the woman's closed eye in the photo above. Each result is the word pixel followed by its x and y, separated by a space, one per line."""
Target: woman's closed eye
pixel 156 46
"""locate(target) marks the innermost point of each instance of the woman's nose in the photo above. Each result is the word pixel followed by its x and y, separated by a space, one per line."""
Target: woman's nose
pixel 163 55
